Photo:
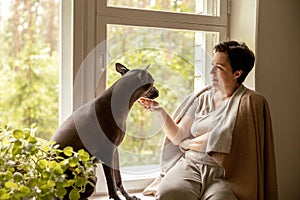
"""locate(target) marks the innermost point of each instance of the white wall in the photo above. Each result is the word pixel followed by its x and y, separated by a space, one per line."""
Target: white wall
pixel 277 76
pixel 277 73
pixel 243 27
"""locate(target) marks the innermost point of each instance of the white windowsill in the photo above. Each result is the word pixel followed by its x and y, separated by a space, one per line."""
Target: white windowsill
pixel 139 195
pixel 135 179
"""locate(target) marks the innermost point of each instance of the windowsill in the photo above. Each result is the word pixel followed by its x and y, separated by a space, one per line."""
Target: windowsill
pixel 134 178
pixel 139 195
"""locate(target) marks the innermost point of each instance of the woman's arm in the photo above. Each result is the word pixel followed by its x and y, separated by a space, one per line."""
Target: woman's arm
pixel 175 132
pixel 196 144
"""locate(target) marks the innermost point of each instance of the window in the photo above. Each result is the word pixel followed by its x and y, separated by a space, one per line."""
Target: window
pixel 177 43
pixel 29 36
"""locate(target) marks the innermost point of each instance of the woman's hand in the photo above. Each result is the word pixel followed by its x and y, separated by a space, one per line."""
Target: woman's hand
pixel 196 144
pixel 149 104
pixel 170 128
pixel 199 143
pixel 185 144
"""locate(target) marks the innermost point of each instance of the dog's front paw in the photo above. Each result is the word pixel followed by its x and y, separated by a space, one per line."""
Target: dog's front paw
pixel 132 198
pixel 114 197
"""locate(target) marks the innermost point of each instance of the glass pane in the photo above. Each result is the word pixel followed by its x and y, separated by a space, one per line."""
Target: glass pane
pixel 177 62
pixel 200 7
pixel 29 34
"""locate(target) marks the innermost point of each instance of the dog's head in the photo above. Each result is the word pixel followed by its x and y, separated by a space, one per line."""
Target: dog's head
pixel 140 79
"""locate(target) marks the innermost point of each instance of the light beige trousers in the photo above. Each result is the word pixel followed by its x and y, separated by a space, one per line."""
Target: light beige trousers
pixel 190 180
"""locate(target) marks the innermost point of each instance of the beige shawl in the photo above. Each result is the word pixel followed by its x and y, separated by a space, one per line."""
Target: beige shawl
pixel 250 165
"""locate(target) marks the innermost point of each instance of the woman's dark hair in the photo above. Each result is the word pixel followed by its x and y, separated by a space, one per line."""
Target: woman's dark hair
pixel 240 57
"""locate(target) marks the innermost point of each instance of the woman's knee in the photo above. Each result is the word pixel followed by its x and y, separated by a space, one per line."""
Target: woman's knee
pixel 176 193
pixel 219 194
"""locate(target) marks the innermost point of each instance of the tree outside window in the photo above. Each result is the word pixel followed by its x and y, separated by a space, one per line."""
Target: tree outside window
pixel 29 36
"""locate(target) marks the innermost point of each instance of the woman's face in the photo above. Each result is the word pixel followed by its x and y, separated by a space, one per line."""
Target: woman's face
pixel 223 78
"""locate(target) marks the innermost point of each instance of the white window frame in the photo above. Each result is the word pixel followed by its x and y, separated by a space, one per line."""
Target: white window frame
pixel 84 27
pixel 66 60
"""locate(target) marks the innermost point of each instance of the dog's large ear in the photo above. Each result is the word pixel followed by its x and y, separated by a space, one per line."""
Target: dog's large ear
pixel 121 69
pixel 147 67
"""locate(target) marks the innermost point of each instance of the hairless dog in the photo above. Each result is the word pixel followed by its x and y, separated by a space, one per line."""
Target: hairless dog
pixel 99 126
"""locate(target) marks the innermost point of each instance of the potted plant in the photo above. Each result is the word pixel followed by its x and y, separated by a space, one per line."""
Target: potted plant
pixel 34 168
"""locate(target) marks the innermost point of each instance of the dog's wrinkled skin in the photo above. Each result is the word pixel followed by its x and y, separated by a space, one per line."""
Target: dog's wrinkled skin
pixel 111 109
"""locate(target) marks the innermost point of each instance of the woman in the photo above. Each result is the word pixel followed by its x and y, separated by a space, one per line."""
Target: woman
pixel 225 135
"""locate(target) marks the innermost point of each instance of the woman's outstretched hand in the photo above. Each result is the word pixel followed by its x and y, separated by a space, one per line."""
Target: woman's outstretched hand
pixel 149 104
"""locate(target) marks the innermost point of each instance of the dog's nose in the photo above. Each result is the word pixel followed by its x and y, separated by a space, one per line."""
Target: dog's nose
pixel 154 93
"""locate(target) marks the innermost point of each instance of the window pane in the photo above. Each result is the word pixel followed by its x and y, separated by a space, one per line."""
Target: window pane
pixel 201 7
pixel 177 61
pixel 29 32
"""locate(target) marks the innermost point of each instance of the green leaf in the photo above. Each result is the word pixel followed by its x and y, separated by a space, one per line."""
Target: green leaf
pixel 68 183
pixel 45 187
pixel 58 170
pixel 52 164
pixel 32 140
pixel 9 174
pixel 46 175
pixel 63 164
pixel 16 150
pixel 32 182
pixel 68 151
pixel 18 143
pixel 26 133
pixel 83 155
pixel 24 189
pixel 5 196
pixel 51 183
pixel 18 134
pixel 74 194
pixel 80 181
pixel 11 185
pixel 43 163
pixel 61 192
pixel 4 148
pixel 73 161
pixel 34 125
pixel 2 177
pixel 3 191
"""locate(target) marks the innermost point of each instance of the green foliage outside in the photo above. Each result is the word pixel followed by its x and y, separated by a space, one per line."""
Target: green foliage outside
pixel 33 167
pixel 29 65
pixel 170 54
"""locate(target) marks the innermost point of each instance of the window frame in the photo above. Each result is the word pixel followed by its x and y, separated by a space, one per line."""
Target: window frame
pixel 66 60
